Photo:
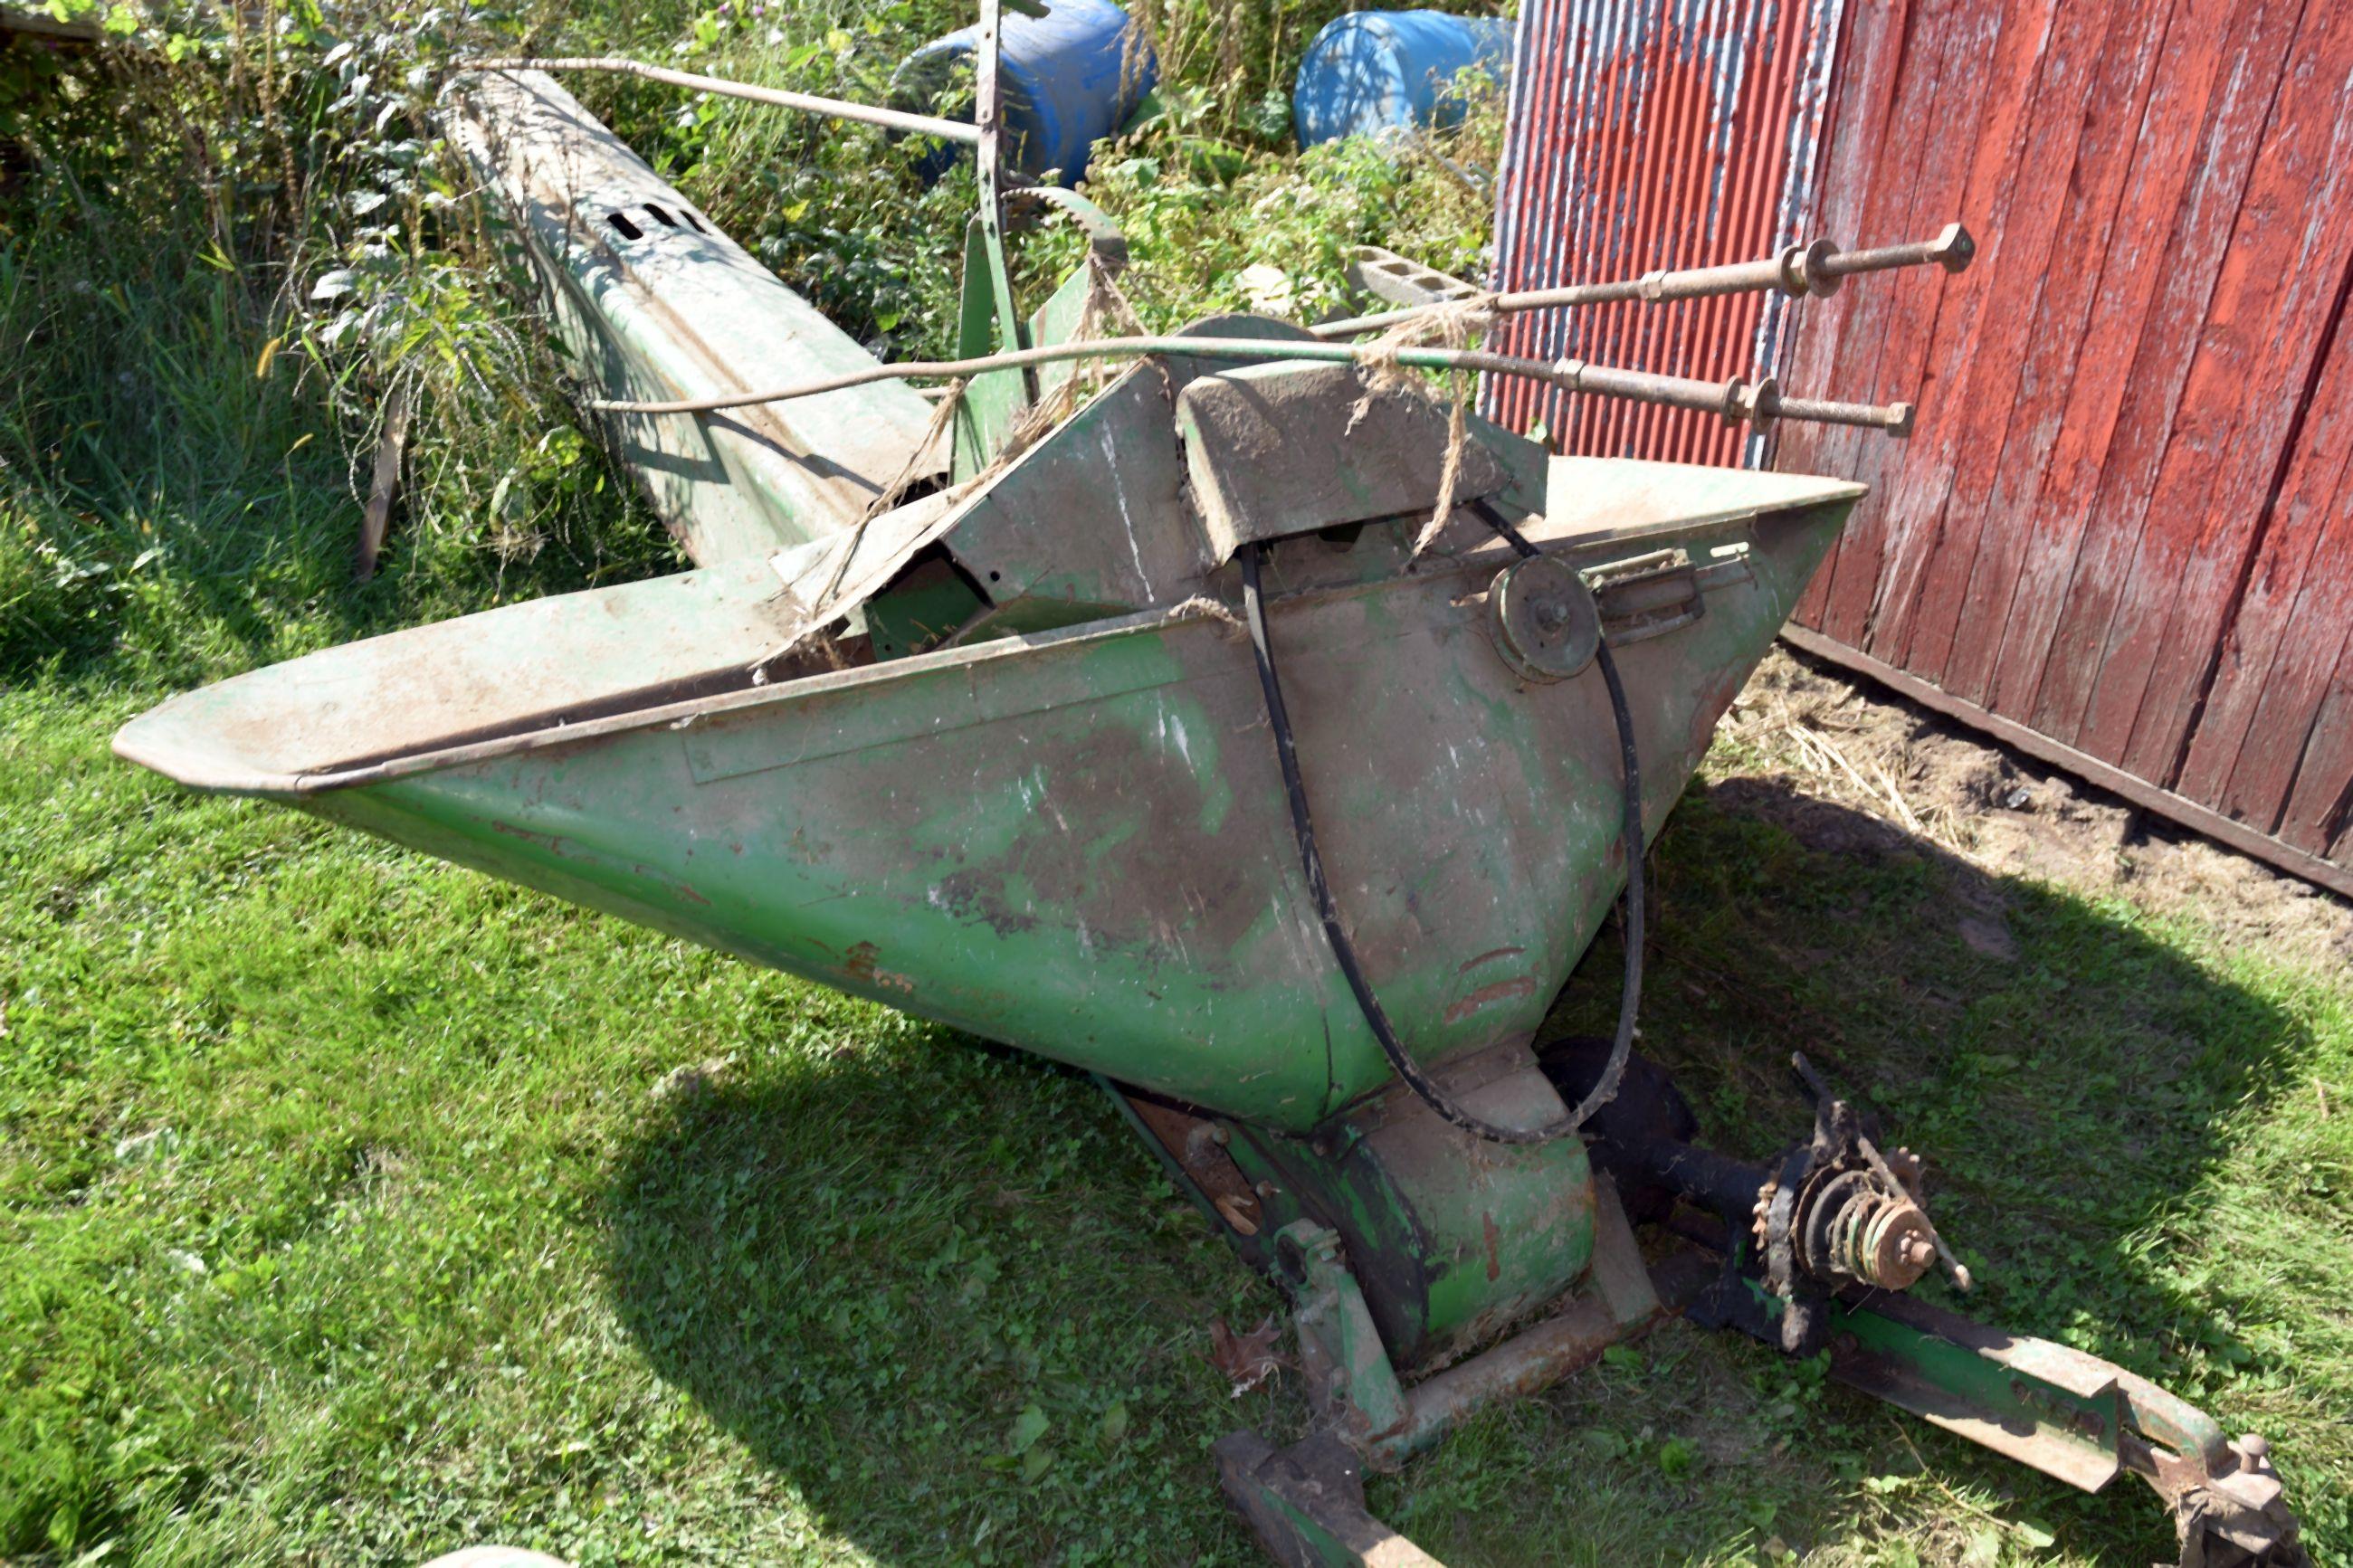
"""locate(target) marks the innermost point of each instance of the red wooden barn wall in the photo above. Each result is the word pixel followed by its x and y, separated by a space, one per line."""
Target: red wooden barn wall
pixel 2121 535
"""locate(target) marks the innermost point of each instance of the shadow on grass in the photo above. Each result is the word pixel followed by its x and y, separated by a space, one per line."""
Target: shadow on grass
pixel 942 1293
pixel 940 1290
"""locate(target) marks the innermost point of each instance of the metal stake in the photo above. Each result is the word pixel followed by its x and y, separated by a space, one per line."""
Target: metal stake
pixel 987 113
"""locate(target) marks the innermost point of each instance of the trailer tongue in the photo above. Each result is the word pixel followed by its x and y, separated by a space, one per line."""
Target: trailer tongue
pixel 1262 737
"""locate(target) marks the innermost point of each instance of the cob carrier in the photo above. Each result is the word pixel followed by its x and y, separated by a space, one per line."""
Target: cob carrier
pixel 1260 735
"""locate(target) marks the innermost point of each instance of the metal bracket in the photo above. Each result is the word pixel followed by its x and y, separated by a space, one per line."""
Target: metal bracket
pixel 1306 1504
pixel 988 114
pixel 2073 1416
pixel 1351 1385
pixel 1651 596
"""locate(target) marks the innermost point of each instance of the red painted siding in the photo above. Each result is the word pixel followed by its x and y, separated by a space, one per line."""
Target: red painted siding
pixel 2121 533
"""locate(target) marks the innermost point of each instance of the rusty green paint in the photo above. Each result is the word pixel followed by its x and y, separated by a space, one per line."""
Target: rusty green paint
pixel 993 401
pixel 1072 841
pixel 1457 1238
pixel 2060 1410
pixel 2065 1427
pixel 923 609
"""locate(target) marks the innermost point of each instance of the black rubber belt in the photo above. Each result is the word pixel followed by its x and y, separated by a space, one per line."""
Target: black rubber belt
pixel 1343 951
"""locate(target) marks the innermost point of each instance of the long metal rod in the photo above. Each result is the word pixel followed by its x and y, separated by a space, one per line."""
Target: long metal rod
pixel 1758 403
pixel 988 153
pixel 838 108
pixel 1816 269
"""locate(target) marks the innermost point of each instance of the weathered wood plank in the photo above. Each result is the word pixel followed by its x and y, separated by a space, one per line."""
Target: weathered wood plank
pixel 2072 281
pixel 1973 363
pixel 2133 266
pixel 2161 373
pixel 2247 384
pixel 1924 615
pixel 2319 816
pixel 1946 70
pixel 2279 293
pixel 1854 127
pixel 2294 619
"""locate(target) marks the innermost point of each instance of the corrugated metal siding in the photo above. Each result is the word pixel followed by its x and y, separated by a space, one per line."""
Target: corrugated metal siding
pixel 2121 535
pixel 1645 136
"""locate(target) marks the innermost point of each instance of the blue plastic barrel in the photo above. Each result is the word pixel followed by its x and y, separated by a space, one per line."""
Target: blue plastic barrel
pixel 1375 72
pixel 1066 79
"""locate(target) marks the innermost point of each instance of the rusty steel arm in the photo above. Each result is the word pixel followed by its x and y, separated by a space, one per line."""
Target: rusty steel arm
pixel 837 108
pixel 1759 402
pixel 1817 268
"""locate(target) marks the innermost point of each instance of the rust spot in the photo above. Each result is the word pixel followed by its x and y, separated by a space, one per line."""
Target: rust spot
pixel 551 843
pixel 859 964
pixel 1494 1258
pixel 1488 995
pixel 1488 957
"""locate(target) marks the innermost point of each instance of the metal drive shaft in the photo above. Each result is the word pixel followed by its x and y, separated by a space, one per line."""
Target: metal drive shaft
pixel 1796 269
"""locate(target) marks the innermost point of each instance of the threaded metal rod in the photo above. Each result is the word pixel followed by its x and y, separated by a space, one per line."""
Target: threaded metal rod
pixel 1759 401
pixel 1815 268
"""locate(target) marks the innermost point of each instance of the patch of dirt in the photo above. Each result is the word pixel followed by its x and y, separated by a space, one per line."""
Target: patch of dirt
pixel 1808 748
pixel 691 1083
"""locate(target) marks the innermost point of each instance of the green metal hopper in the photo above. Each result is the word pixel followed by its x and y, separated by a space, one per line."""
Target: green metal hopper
pixel 1259 740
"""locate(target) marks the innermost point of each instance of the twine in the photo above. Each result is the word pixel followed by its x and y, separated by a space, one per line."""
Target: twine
pixel 1453 323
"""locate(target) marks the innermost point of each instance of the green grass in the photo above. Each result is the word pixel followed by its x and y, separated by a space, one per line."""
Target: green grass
pixel 343 1224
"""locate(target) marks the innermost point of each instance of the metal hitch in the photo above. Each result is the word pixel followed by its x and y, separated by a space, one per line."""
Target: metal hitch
pixel 1812 1252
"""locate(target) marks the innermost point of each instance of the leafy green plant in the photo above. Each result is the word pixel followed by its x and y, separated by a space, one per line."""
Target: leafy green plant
pixel 1200 212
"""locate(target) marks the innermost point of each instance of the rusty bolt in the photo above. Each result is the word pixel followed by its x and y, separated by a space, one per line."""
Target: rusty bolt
pixel 1755 403
pixel 1803 270
pixel 1953 250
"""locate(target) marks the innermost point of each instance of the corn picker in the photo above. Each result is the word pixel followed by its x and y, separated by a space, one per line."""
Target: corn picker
pixel 1259 734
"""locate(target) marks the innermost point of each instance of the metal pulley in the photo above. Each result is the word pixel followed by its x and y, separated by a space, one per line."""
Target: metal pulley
pixel 1547 625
